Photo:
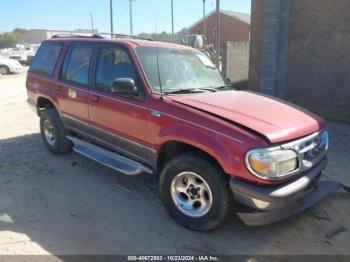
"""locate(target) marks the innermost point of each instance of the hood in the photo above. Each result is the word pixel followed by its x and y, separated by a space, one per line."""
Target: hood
pixel 276 120
pixel 8 61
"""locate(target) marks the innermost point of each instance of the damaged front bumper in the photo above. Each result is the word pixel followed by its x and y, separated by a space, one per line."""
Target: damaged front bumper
pixel 273 204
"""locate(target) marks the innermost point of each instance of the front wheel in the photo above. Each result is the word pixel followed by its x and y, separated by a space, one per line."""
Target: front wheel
pixel 4 70
pixel 195 191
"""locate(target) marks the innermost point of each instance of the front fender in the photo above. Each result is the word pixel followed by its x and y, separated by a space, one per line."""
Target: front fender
pixel 217 145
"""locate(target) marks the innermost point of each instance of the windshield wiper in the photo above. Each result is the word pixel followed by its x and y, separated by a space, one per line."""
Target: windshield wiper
pixel 182 91
pixel 225 87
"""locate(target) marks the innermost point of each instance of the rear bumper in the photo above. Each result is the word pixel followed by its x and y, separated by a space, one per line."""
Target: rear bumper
pixel 281 202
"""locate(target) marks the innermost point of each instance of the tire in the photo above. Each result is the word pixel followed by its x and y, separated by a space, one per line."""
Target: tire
pixel 53 132
pixel 195 167
pixel 4 70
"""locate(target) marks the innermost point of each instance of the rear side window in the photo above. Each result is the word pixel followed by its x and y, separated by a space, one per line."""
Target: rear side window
pixel 45 60
pixel 77 64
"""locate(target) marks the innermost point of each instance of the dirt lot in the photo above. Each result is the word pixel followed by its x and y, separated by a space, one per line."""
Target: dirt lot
pixel 71 205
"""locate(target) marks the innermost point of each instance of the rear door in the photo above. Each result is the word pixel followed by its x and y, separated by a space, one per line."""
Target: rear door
pixel 73 88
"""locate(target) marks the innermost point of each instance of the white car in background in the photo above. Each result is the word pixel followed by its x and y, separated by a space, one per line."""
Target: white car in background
pixel 8 66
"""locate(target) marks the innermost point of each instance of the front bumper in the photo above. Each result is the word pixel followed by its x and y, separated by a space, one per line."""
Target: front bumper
pixel 281 202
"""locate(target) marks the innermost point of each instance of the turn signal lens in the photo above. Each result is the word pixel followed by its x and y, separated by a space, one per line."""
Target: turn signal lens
pixel 271 164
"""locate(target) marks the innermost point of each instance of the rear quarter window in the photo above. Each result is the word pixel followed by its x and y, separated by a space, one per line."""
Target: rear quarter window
pixel 45 59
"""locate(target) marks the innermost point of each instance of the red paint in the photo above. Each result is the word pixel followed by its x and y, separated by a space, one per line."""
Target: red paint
pixel 224 124
pixel 277 121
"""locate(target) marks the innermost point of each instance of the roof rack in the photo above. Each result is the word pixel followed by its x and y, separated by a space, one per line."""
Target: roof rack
pixel 126 36
pixel 99 36
pixel 76 36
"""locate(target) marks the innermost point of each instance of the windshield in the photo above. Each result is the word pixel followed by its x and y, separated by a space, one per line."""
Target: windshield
pixel 179 69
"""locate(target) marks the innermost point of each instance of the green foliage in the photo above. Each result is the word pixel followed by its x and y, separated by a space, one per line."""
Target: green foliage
pixel 10 39
pixel 166 37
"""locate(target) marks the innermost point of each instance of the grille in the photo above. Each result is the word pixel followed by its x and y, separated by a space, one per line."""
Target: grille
pixel 310 149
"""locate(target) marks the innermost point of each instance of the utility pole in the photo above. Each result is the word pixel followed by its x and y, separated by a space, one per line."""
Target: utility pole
pixel 92 24
pixel 156 23
pixel 205 23
pixel 131 25
pixel 217 33
pixel 172 19
pixel 111 15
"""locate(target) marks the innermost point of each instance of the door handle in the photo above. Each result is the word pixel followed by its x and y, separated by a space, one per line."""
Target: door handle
pixel 72 93
pixel 94 98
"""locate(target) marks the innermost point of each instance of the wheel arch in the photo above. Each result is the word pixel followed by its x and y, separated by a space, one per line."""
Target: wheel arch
pixel 44 103
pixel 7 67
pixel 173 148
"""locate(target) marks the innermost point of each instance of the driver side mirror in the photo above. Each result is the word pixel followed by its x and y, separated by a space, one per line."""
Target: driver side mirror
pixel 124 86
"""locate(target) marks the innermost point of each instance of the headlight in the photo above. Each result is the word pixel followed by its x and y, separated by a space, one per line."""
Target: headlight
pixel 271 164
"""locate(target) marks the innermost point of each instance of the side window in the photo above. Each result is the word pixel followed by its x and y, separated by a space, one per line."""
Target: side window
pixel 45 60
pixel 113 63
pixel 77 64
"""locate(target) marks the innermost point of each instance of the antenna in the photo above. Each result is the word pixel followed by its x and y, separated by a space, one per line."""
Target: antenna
pixel 160 81
pixel 92 24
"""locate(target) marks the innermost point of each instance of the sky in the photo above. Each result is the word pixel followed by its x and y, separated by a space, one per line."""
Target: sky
pixel 148 15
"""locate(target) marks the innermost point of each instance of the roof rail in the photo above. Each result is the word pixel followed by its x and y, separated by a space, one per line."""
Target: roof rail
pixel 126 36
pixel 76 36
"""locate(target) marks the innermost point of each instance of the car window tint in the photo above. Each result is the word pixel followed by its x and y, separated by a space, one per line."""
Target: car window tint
pixel 79 63
pixel 45 60
pixel 113 63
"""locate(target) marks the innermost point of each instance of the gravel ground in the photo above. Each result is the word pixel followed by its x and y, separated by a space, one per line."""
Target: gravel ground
pixel 71 205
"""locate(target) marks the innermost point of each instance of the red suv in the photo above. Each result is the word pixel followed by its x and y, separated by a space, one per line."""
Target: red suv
pixel 140 106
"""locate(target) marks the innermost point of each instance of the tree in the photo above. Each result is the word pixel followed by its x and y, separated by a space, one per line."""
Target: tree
pixel 165 37
pixel 10 39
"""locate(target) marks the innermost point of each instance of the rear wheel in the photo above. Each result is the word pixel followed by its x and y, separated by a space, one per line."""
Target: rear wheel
pixel 195 192
pixel 53 132
pixel 4 70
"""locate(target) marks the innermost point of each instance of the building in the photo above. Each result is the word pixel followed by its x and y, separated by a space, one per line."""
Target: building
pixel 36 36
pixel 300 52
pixel 234 27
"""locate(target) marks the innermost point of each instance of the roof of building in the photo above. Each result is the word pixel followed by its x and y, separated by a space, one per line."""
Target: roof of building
pixel 241 16
pixel 237 15
pixel 57 30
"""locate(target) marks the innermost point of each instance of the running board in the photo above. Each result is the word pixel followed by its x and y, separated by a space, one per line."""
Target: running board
pixel 108 158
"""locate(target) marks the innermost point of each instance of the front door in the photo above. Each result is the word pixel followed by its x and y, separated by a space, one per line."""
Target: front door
pixel 118 120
